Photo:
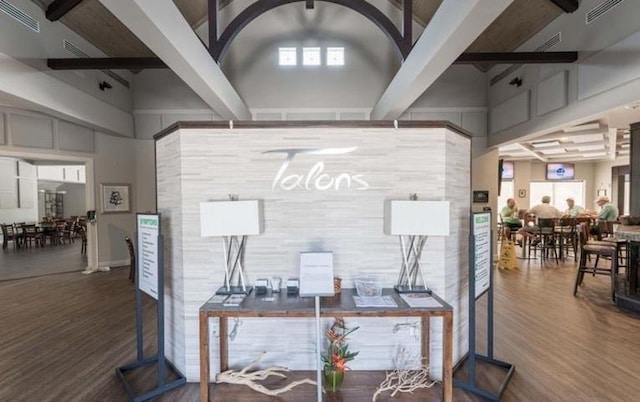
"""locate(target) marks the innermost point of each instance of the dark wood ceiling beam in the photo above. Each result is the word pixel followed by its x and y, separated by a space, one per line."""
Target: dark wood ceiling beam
pixel 219 48
pixel 213 25
pixel 517 58
pixel 59 8
pixel 111 63
pixel 568 6
pixel 407 22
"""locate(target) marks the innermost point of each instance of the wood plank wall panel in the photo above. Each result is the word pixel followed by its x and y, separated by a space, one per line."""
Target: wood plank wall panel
pixel 210 164
pixel 169 196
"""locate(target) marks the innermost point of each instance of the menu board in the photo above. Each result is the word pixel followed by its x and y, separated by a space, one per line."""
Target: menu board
pixel 148 228
pixel 482 253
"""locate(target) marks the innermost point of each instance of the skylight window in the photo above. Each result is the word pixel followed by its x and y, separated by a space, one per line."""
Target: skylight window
pixel 311 56
pixel 335 56
pixel 287 56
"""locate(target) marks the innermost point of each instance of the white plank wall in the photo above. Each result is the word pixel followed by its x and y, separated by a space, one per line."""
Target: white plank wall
pixel 196 165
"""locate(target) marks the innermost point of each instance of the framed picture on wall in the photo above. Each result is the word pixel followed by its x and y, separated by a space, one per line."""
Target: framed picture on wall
pixel 522 193
pixel 115 197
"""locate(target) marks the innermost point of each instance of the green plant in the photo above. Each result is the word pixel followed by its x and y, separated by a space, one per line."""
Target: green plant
pixel 338 354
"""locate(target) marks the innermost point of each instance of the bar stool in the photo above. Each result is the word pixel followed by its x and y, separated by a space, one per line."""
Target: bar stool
pixel 598 249
pixel 621 245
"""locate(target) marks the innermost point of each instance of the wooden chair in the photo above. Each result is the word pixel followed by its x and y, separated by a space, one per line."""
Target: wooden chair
pixel 9 235
pixel 546 241
pixel 82 231
pixel 597 249
pixel 567 237
pixel 30 235
pixel 132 259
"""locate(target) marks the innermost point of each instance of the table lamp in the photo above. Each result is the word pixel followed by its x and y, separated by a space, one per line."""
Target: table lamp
pixel 233 221
pixel 413 222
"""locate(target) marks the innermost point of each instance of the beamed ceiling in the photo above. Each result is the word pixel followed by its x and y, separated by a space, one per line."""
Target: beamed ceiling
pixel 514 26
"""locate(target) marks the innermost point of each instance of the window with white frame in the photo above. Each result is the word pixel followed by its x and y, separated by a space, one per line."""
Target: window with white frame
pixel 310 56
pixel 558 191
pixel 335 56
pixel 287 56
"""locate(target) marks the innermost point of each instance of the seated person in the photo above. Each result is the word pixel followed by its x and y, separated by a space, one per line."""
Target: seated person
pixel 509 215
pixel 545 210
pixel 608 213
pixel 542 211
pixel 573 210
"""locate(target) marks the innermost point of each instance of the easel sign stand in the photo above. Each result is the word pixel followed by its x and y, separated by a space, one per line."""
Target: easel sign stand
pixel 316 280
pixel 481 282
pixel 150 280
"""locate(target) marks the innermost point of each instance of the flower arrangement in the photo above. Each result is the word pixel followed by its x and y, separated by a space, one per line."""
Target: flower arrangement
pixel 337 355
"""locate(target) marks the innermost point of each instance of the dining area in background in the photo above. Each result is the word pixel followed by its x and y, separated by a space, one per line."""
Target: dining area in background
pixel 58 232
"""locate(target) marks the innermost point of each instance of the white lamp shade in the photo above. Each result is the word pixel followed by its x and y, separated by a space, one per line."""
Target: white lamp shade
pixel 425 218
pixel 231 218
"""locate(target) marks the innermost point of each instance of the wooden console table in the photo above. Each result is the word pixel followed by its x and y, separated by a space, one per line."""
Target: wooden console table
pixel 343 305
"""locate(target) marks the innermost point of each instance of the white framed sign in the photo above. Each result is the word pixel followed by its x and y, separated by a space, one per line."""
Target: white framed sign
pixel 316 274
pixel 148 228
pixel 482 252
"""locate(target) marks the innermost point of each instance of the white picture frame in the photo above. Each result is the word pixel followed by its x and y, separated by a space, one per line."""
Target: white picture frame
pixel 115 197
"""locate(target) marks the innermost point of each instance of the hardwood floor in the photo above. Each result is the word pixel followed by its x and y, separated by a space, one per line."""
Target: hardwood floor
pixel 26 262
pixel 63 335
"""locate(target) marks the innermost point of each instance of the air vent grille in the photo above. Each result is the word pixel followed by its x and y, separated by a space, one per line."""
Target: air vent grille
pixel 19 15
pixel 554 40
pixel 601 9
pixel 73 49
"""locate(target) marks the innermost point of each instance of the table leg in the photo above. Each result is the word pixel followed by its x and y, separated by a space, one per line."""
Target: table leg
pixel 224 348
pixel 425 339
pixel 204 357
pixel 447 351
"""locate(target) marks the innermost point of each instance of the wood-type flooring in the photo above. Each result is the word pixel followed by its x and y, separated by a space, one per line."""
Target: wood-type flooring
pixel 27 262
pixel 62 336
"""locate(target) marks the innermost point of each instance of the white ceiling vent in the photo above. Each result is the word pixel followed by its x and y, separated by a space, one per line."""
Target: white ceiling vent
pixel 554 40
pixel 600 10
pixel 73 49
pixel 19 15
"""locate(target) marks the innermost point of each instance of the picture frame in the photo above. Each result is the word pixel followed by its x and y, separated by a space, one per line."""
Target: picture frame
pixel 481 196
pixel 522 193
pixel 116 197
pixel 602 192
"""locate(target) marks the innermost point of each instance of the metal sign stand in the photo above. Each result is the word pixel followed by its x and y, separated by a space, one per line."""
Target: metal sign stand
pixel 159 360
pixel 472 357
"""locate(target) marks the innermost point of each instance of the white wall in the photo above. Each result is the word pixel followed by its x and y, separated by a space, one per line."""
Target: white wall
pixel 18 191
pixel 115 162
pixel 32 48
pixel 607 75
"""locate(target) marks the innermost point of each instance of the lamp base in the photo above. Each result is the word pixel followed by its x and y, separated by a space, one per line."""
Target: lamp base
pixel 234 290
pixel 411 289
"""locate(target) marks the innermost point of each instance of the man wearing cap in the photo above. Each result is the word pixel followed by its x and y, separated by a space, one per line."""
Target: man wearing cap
pixel 608 211
pixel 573 210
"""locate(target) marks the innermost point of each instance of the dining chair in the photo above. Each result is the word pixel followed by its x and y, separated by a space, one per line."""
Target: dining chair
pixel 567 237
pixel 8 235
pixel 546 241
pixel 599 249
pixel 132 259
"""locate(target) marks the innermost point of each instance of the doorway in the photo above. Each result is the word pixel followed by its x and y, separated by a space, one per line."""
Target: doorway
pixel 36 261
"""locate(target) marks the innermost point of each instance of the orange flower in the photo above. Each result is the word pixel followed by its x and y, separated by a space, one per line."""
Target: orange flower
pixel 338 353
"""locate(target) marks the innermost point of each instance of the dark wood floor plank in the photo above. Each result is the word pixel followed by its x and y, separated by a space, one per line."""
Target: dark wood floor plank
pixel 61 337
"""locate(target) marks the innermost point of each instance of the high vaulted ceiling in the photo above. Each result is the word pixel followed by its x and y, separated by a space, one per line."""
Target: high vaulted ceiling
pixel 487 27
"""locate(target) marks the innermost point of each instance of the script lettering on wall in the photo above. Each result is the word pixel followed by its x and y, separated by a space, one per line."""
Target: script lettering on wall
pixel 315 178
